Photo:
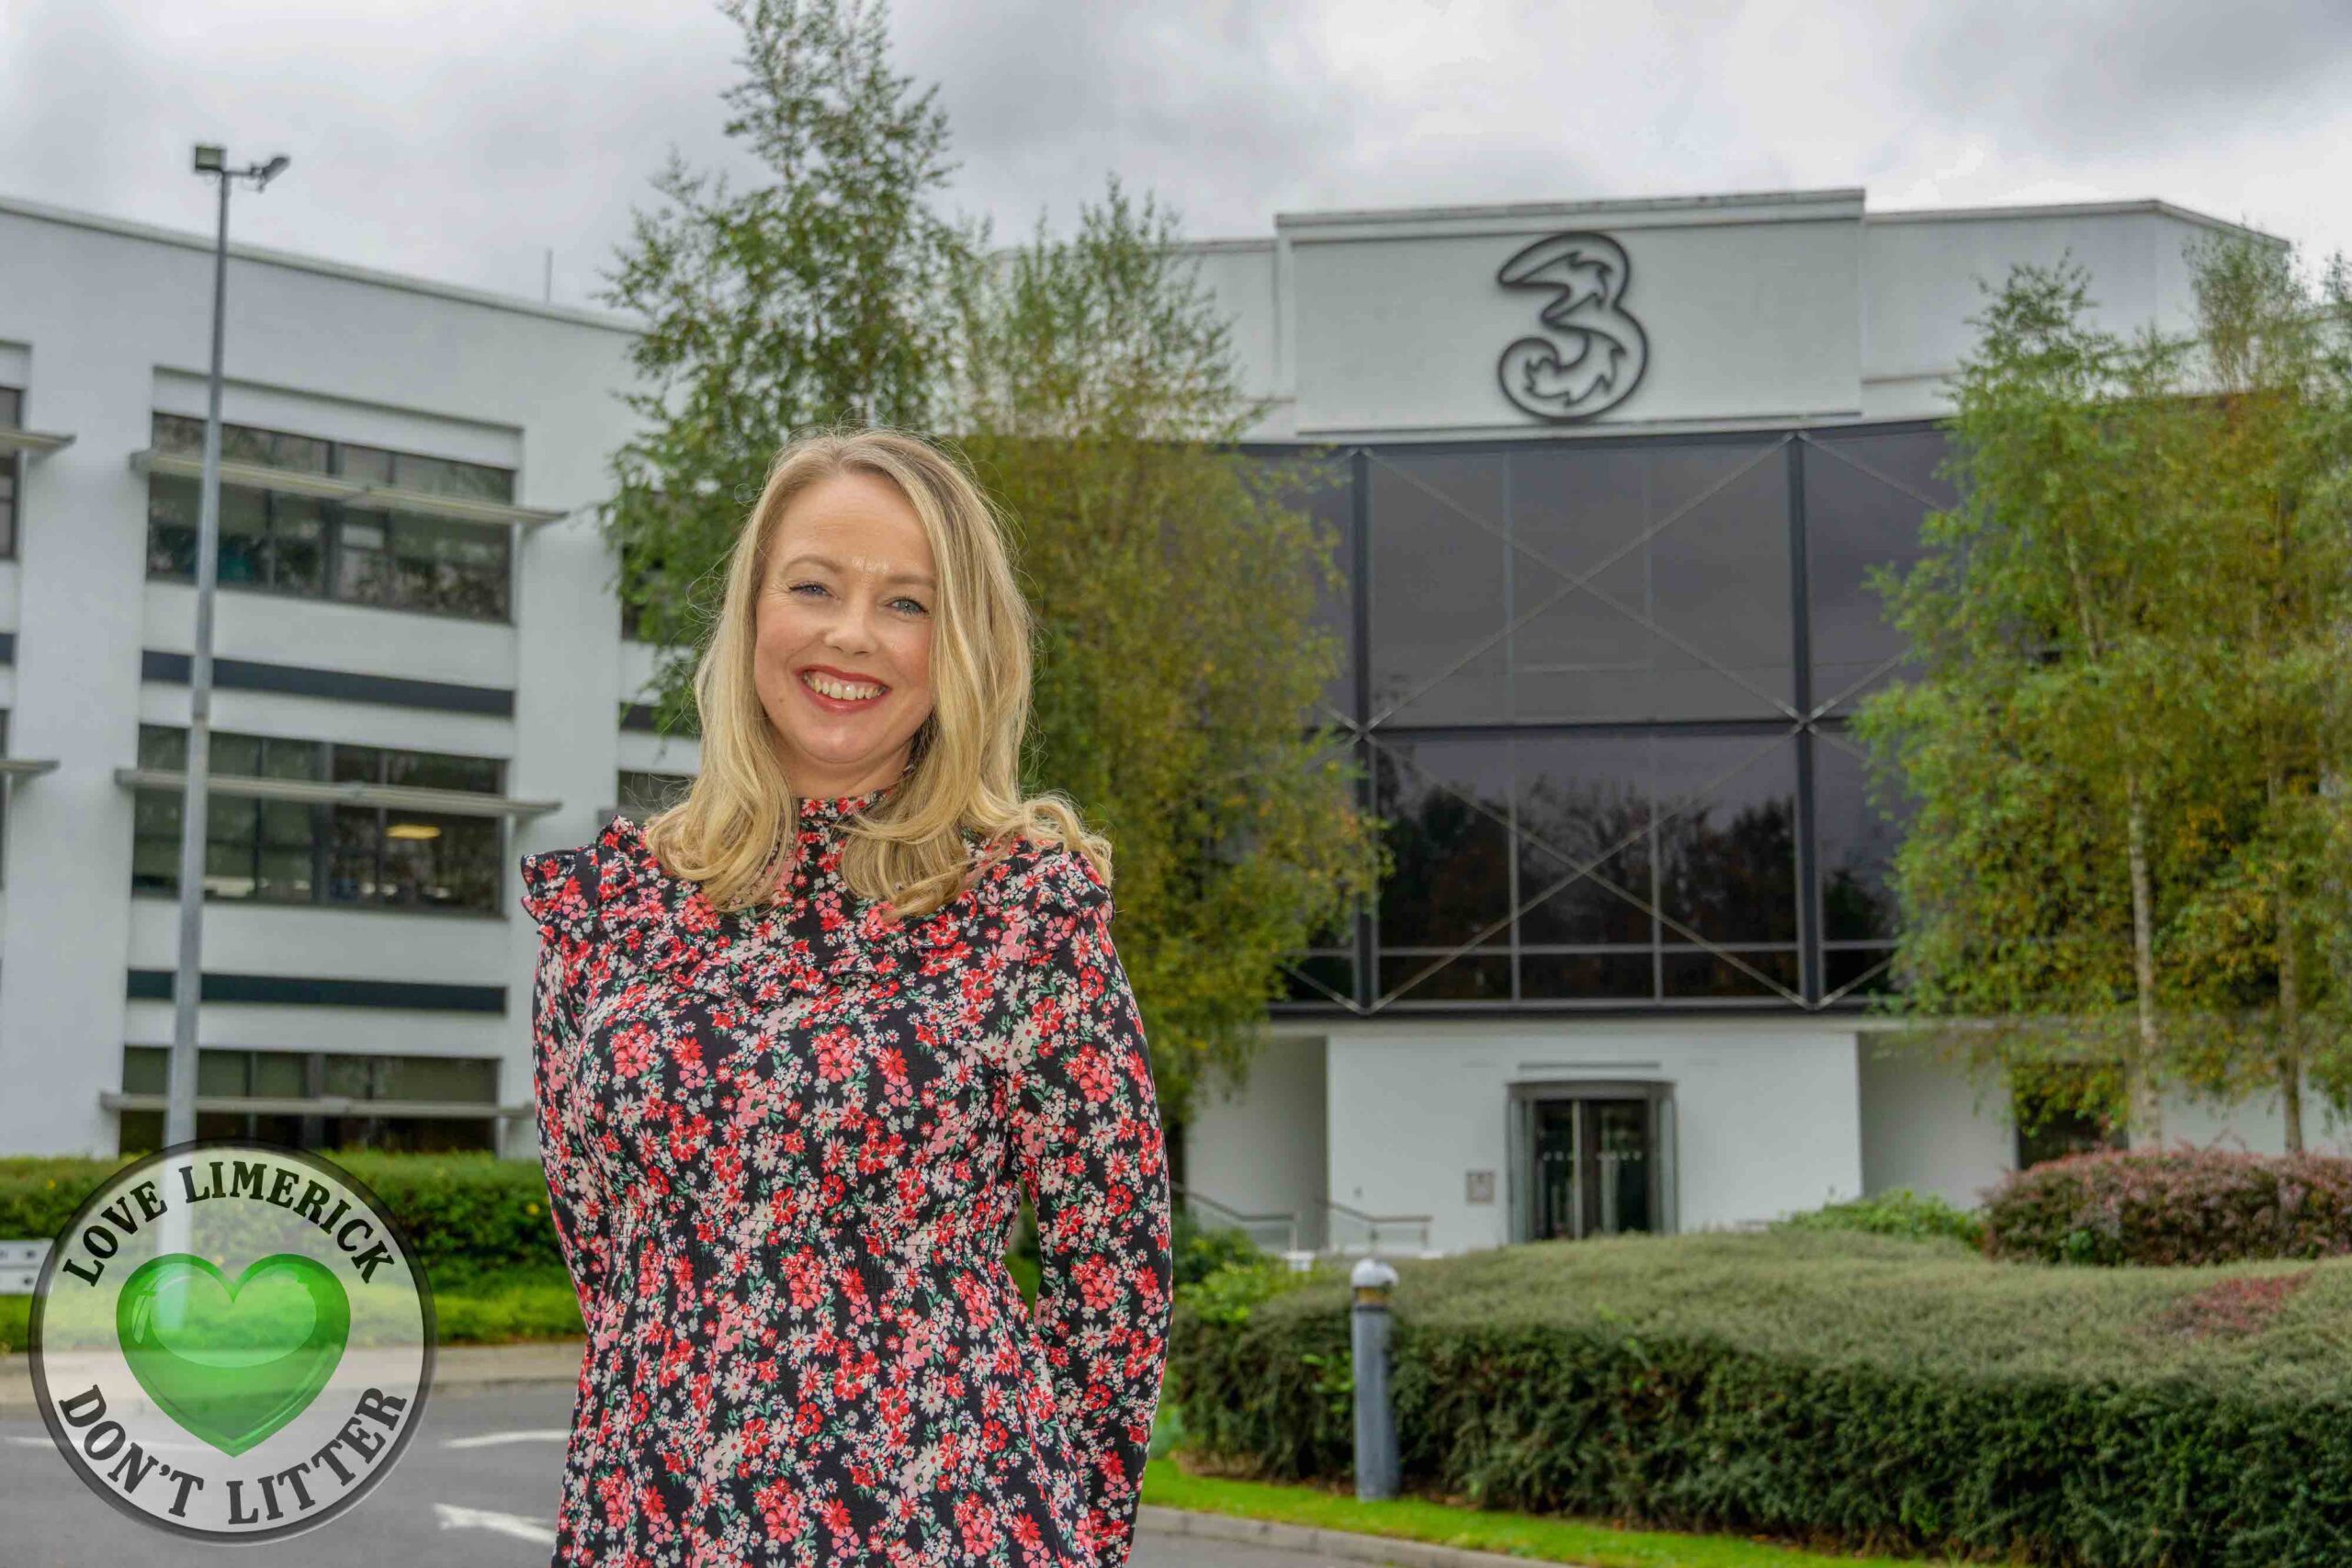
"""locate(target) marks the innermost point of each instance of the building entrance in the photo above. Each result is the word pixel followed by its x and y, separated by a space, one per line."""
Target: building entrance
pixel 1591 1159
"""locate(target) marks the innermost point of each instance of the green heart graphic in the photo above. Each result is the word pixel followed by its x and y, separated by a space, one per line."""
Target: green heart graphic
pixel 231 1363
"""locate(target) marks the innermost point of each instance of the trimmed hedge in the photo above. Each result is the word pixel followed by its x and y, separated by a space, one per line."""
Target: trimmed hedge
pixel 1898 1212
pixel 466 1211
pixel 1839 1389
pixel 2168 1207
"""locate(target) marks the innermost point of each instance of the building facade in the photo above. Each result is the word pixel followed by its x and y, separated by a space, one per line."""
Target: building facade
pixel 1608 481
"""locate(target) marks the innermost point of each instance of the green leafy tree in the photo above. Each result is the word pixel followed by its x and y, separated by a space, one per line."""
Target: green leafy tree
pixel 1176 580
pixel 2048 742
pixel 1091 382
pixel 810 297
pixel 2263 939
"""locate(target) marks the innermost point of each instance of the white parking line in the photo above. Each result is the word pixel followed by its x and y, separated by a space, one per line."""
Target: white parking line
pixel 456 1517
pixel 494 1440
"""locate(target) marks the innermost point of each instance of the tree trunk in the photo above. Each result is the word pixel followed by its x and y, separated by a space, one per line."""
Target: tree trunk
pixel 2145 1108
pixel 2290 1025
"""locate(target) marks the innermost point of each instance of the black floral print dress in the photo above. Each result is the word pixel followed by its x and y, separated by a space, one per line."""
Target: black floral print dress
pixel 782 1147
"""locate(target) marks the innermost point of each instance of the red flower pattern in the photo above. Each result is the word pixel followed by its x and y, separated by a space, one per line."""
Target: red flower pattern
pixel 784 1149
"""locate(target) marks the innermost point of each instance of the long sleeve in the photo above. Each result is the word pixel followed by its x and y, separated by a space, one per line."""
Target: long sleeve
pixel 1093 1161
pixel 560 889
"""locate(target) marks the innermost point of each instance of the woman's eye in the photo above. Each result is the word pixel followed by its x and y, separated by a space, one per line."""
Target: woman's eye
pixel 914 606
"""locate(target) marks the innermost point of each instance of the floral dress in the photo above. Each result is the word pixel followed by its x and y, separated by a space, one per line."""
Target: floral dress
pixel 784 1149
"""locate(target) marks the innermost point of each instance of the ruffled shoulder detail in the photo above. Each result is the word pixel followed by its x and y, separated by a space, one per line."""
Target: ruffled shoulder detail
pixel 560 891
pixel 1034 881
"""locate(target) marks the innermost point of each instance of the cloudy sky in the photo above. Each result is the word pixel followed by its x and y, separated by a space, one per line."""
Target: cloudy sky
pixel 461 140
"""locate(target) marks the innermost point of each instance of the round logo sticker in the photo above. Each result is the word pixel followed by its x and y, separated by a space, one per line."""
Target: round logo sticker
pixel 231 1339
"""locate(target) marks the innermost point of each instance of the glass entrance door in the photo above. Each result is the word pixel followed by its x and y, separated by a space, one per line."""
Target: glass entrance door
pixel 1594 1162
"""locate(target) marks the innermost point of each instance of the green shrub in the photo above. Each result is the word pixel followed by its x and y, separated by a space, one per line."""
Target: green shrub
pixel 2171 1207
pixel 1892 1395
pixel 1901 1212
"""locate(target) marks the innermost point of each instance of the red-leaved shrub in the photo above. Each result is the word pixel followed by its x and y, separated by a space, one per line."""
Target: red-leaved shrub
pixel 2171 1207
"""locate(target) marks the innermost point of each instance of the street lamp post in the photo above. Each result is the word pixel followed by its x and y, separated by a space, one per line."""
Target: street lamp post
pixel 179 1113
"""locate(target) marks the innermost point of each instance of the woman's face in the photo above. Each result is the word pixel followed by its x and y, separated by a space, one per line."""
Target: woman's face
pixel 847 599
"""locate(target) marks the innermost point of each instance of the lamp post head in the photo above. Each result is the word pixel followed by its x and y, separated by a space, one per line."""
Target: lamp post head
pixel 274 168
pixel 209 159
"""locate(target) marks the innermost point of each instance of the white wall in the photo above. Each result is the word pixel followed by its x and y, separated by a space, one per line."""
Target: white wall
pixel 1261 1147
pixel 1767 1113
pixel 1926 1125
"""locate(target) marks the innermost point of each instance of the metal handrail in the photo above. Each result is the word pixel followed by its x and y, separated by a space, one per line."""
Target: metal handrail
pixel 1237 1220
pixel 1372 1224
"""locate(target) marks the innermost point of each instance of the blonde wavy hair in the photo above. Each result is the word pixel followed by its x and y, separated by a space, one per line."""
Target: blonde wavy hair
pixel 732 829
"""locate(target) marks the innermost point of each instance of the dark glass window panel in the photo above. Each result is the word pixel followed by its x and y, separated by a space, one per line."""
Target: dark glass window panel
pixel 1697 972
pixel 245 539
pixel 1328 497
pixel 438 770
pixel 164 746
pixel 298 548
pixel 1324 977
pixel 283 759
pixel 409 562
pixel 11 466
pixel 1843 967
pixel 1865 498
pixel 171 526
pixel 142 1131
pixel 12 408
pixel 444 861
pixel 146 1069
pixel 278 1073
pixel 1588 977
pixel 1448 804
pixel 240 444
pixel 1437 588
pixel 1473 977
pixel 409 1134
pixel 303 453
pixel 289 853
pixel 1856 845
pixel 1653 583
pixel 1726 835
pixel 352 858
pixel 366 464
pixel 178 433
pixel 357 764
pixel 438 1078
pixel 447 476
pixel 1584 811
pixel 234 753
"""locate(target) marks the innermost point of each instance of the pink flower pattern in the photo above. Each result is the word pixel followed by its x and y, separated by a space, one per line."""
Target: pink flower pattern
pixel 784 1149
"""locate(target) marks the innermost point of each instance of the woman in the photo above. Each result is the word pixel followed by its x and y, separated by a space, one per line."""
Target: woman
pixel 801 1041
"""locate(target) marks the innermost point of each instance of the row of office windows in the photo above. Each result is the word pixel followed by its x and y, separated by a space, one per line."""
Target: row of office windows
pixel 12 470
pixel 282 851
pixel 278 851
pixel 399 1082
pixel 316 547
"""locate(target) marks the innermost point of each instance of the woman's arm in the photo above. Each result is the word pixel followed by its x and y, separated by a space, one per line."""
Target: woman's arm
pixel 1092 1162
pixel 560 889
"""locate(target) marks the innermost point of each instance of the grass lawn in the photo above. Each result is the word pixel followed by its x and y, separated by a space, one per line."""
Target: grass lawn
pixel 1539 1537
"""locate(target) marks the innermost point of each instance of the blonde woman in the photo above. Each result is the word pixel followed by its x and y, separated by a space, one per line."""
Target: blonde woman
pixel 802 1040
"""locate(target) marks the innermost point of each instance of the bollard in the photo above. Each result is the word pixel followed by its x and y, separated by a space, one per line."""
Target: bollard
pixel 1375 1412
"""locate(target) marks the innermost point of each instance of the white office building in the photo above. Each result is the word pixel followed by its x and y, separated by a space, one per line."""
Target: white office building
pixel 1613 474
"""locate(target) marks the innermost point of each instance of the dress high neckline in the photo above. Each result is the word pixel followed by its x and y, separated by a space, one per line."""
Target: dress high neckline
pixel 827 813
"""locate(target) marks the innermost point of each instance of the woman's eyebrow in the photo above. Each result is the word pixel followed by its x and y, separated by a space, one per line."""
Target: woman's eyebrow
pixel 830 564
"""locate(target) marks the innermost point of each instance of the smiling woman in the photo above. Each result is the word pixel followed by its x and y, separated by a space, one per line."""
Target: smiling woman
pixel 804 1042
